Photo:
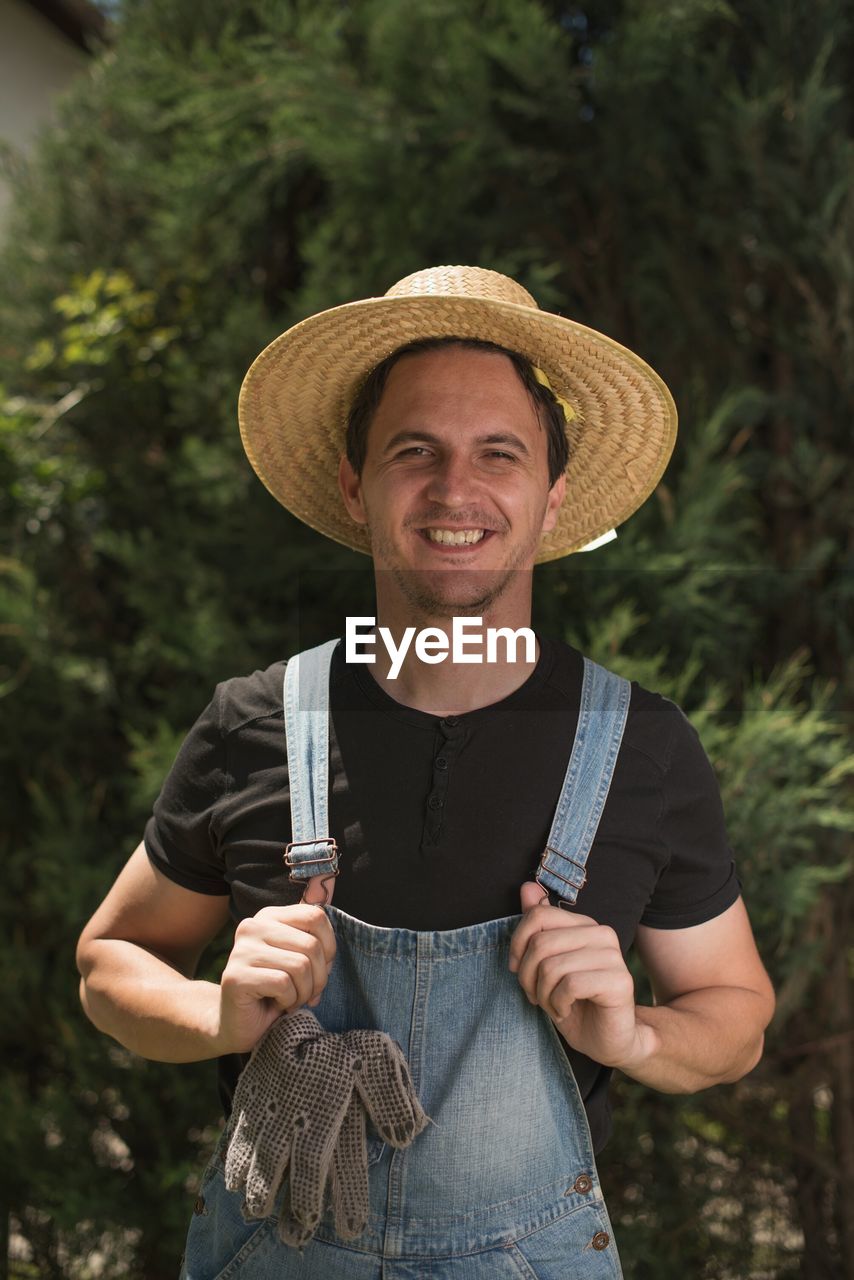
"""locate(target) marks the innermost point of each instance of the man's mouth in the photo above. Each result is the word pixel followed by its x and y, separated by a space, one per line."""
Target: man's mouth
pixel 455 537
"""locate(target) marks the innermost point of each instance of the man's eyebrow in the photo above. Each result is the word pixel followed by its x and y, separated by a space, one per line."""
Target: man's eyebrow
pixel 428 437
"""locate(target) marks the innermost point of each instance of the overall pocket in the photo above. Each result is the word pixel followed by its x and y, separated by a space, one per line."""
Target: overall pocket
pixel 220 1242
pixel 580 1243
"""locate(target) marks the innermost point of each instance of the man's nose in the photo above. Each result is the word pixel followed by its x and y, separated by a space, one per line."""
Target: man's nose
pixel 452 482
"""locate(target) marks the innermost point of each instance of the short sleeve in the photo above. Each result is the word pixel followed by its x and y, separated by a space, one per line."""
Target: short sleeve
pixel 180 836
pixel 698 881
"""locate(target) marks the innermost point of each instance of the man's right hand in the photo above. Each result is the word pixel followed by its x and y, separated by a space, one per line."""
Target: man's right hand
pixel 139 953
pixel 281 960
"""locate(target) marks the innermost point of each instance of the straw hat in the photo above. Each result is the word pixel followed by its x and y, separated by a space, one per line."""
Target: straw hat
pixel 296 397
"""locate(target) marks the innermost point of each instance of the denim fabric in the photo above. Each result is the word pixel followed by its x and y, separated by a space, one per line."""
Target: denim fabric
pixel 602 715
pixel 503 1183
pixel 306 703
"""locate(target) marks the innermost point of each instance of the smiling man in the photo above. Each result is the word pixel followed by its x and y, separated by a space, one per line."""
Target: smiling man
pixel 473 490
pixel 415 1078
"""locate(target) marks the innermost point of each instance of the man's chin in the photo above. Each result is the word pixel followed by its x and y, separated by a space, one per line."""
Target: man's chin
pixel 453 591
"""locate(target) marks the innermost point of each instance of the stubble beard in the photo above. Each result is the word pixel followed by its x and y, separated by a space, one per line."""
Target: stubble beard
pixel 454 598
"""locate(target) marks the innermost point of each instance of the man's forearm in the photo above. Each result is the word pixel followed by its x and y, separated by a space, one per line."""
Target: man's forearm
pixel 707 1037
pixel 149 1006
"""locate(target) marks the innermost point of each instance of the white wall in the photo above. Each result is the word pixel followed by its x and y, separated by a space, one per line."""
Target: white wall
pixel 36 63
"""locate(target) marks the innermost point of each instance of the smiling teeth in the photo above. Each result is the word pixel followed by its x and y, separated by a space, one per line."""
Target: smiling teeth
pixel 451 539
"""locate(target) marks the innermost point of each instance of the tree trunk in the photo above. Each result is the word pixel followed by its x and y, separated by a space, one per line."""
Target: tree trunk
pixel 842 1078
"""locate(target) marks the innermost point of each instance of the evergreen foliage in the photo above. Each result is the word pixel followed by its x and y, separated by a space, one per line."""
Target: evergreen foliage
pixel 677 174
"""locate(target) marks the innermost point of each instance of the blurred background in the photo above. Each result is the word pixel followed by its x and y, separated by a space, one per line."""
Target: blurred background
pixel 183 181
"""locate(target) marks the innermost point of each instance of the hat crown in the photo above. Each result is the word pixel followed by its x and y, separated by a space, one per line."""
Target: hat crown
pixel 467 282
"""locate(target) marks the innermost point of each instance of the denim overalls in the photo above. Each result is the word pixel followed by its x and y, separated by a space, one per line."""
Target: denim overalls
pixel 503 1184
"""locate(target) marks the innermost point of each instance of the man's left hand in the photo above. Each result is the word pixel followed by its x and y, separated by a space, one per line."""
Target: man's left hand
pixel 574 970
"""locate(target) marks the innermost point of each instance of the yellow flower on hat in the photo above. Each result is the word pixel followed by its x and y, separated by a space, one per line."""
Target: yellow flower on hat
pixel 568 411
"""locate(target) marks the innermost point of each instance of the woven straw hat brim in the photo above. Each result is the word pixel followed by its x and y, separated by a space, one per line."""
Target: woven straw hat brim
pixel 296 397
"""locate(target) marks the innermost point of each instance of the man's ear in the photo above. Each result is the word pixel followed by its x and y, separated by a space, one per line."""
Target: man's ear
pixel 350 486
pixel 553 503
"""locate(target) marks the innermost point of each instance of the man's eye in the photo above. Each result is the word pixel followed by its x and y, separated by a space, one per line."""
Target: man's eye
pixel 415 448
pixel 499 453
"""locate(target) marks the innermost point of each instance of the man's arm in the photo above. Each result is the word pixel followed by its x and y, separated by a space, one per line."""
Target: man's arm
pixel 713 1001
pixel 713 996
pixel 139 952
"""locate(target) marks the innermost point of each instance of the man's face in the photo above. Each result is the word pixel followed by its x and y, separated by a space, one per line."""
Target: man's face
pixel 454 489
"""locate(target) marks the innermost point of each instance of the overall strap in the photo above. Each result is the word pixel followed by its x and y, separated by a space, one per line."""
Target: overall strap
pixel 312 850
pixel 601 721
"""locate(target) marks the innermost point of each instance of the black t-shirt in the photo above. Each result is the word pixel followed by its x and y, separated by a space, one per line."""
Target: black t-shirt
pixel 438 822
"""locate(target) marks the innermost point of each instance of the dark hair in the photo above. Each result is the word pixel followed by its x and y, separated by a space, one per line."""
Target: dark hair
pixel 370 393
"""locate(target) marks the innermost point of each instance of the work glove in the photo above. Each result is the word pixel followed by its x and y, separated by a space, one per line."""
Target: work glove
pixel 299 1110
pixel 382 1090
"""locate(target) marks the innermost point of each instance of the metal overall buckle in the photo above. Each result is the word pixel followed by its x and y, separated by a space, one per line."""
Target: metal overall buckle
pixel 309 862
pixel 564 903
pixel 325 871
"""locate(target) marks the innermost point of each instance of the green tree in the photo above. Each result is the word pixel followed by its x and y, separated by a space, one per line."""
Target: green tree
pixel 675 174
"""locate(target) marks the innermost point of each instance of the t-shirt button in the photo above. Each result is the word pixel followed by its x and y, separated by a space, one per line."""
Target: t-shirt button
pixel 441 763
pixel 451 721
pixel 435 802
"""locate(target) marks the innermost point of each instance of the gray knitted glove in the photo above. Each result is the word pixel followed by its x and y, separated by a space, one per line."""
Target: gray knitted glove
pixel 288 1107
pixel 384 1091
pixel 290 1104
pixel 385 1086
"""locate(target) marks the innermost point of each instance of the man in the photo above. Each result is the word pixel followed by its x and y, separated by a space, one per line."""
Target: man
pixel 459 435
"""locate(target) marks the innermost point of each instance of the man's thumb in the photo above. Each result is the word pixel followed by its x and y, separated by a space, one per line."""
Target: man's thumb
pixel 531 894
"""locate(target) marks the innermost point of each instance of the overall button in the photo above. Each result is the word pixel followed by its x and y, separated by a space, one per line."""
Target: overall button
pixel 583 1183
pixel 435 802
pixel 441 763
pixel 601 1240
